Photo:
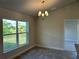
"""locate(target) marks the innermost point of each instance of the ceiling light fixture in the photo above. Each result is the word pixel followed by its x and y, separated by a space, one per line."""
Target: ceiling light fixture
pixel 43 13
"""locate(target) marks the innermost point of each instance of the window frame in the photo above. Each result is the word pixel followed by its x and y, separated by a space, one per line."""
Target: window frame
pixel 17 34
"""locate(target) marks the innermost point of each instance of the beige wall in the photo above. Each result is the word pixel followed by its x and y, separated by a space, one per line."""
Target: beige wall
pixel 50 31
pixel 4 13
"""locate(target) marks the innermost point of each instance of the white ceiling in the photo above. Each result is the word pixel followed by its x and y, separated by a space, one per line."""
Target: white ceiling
pixel 31 7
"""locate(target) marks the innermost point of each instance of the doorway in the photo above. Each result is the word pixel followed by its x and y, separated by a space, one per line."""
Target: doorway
pixel 70 34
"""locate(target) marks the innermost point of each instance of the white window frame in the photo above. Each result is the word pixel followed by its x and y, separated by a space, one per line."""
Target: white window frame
pixel 17 34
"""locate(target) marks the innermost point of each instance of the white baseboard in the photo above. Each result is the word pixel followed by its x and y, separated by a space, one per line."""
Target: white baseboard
pixel 50 47
pixel 21 52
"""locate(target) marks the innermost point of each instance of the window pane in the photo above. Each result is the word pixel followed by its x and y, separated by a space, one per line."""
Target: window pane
pixel 9 26
pixel 21 26
pixel 9 42
pixel 23 39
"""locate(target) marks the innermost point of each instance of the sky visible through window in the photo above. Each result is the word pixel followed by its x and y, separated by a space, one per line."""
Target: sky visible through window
pixel 9 26
pixel 13 23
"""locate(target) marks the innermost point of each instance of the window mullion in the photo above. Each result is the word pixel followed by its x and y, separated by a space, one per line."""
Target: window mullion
pixel 27 34
pixel 17 36
pixel 1 36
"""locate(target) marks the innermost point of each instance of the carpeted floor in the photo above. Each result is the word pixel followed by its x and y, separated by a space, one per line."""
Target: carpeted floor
pixel 44 53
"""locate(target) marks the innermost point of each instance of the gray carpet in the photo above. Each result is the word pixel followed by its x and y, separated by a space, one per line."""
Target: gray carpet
pixel 44 53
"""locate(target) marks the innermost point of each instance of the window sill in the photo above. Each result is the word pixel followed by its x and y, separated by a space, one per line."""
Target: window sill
pixel 8 51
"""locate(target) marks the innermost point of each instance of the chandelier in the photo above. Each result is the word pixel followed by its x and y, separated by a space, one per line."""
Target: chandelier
pixel 43 13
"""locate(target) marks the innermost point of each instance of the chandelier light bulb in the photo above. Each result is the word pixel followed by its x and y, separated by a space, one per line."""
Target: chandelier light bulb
pixel 39 13
pixel 46 13
pixel 42 14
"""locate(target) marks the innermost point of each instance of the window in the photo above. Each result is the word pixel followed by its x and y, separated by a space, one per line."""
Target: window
pixel 22 30
pixel 15 34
